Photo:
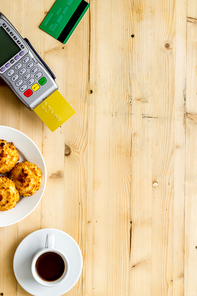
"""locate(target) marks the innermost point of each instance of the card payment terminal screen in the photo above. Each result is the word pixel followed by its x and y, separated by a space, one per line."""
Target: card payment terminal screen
pixel 8 47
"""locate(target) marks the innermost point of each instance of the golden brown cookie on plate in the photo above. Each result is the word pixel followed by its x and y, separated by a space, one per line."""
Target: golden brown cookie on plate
pixel 8 156
pixel 27 178
pixel 9 195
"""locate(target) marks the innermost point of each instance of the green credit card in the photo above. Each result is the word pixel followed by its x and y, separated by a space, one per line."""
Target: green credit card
pixel 63 18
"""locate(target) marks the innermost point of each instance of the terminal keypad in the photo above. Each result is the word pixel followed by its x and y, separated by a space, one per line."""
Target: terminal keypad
pixel 27 76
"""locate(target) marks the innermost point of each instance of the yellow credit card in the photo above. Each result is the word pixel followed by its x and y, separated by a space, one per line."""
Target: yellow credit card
pixel 54 111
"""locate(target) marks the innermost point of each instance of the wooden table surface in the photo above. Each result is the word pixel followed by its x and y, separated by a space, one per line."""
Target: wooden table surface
pixel 122 172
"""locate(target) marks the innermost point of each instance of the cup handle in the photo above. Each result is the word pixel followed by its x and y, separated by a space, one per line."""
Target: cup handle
pixel 50 241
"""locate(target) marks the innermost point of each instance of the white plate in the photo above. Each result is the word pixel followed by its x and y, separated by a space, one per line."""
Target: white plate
pixel 30 245
pixel 27 151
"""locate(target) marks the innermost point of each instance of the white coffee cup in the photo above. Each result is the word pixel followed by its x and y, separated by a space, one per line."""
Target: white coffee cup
pixel 49 265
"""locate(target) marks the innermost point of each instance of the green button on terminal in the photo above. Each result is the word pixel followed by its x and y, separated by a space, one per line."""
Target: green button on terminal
pixel 42 81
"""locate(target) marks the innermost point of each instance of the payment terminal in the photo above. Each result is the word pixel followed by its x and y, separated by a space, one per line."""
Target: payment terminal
pixel 22 68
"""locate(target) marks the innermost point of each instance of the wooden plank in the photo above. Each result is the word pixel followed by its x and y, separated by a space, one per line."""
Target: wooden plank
pixel 16 115
pixel 108 170
pixel 191 144
pixel 158 147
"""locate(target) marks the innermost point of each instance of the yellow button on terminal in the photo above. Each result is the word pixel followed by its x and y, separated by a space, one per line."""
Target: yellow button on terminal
pixel 35 87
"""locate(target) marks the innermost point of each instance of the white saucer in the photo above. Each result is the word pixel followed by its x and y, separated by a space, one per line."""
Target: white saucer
pixel 30 245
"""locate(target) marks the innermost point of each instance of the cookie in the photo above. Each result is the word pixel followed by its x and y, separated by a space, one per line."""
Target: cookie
pixel 27 178
pixel 9 196
pixel 8 156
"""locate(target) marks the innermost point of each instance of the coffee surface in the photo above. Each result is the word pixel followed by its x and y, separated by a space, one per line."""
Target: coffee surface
pixel 50 266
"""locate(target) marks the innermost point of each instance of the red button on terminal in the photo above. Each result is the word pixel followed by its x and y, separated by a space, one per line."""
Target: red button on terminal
pixel 28 93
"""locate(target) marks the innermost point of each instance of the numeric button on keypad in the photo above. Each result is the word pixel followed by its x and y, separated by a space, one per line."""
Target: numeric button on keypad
pixel 38 75
pixel 30 65
pixel 31 81
pixel 15 77
pixel 22 71
pixel 10 73
pixel 25 60
pixel 34 70
pixel 19 82
pixel 23 87
pixel 26 76
pixel 18 66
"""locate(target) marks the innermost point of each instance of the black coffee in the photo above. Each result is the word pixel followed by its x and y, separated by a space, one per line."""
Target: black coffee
pixel 50 266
